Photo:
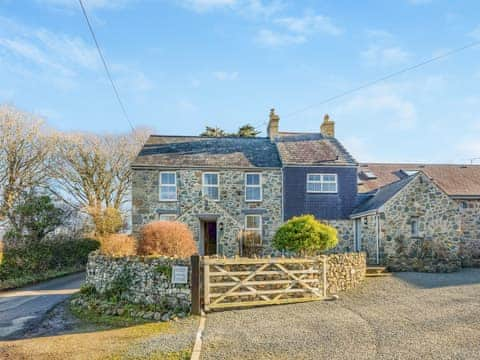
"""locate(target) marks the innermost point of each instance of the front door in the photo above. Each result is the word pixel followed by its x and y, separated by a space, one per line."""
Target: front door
pixel 209 237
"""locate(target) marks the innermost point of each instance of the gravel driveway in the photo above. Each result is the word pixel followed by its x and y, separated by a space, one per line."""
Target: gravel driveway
pixel 406 316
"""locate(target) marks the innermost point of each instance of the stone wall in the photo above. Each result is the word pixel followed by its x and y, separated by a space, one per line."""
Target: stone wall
pixel 191 206
pixel 345 271
pixel 345 234
pixel 368 236
pixel 439 229
pixel 146 280
pixel 470 217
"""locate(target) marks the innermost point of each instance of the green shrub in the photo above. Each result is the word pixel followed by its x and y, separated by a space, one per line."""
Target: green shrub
pixel 305 235
pixel 39 257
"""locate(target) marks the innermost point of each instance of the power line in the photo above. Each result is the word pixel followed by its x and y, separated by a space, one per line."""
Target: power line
pixel 109 75
pixel 389 76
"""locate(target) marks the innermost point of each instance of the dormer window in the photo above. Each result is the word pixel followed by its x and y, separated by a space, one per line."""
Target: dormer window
pixel 322 183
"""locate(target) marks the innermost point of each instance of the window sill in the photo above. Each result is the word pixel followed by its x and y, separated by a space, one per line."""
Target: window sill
pixel 163 200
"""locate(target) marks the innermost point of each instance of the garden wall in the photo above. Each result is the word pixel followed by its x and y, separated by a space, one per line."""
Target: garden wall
pixel 345 271
pixel 147 280
pixel 144 280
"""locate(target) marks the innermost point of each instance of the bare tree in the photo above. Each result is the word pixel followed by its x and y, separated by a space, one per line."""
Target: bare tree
pixel 25 149
pixel 92 172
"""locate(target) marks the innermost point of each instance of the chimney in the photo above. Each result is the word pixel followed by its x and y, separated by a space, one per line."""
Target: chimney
pixel 328 127
pixel 272 129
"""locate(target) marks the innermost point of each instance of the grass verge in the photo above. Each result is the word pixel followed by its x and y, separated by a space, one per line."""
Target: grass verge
pixel 14 283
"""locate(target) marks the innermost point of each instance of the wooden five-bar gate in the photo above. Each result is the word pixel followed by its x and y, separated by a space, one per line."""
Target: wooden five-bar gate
pixel 221 283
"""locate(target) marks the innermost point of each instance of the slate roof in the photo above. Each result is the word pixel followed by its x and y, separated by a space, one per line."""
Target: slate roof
pixel 311 149
pixel 456 180
pixel 381 196
pixel 207 152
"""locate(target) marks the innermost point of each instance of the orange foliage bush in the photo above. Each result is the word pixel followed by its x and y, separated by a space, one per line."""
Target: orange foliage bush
pixel 118 245
pixel 167 238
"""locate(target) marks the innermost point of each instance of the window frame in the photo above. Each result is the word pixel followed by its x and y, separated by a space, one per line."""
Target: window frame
pixel 259 186
pixel 160 184
pixel 414 227
pixel 259 230
pixel 321 182
pixel 209 185
pixel 166 215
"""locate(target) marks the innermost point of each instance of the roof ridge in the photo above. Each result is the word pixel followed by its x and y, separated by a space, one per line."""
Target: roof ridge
pixel 211 137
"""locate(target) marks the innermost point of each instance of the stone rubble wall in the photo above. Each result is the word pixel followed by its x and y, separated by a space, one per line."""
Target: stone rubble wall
pixel 345 271
pixel 345 234
pixel 148 279
pixel 191 206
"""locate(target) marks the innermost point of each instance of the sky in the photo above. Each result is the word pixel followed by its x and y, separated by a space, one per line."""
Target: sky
pixel 180 65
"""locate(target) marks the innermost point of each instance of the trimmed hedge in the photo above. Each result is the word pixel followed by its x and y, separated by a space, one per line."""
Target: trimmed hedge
pixel 47 256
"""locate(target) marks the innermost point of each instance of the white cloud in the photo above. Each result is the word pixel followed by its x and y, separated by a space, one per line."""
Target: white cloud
pixel 379 34
pixel 384 103
pixel 310 24
pixel 225 75
pixel 250 8
pixel 90 4
pixel 62 59
pixel 376 55
pixel 205 5
pixel 475 33
pixel 359 148
pixel 274 39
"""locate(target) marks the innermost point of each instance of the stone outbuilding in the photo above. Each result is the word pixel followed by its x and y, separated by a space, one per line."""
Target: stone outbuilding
pixel 408 217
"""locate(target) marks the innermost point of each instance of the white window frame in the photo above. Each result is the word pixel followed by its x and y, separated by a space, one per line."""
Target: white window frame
pixel 160 184
pixel 167 217
pixel 259 230
pixel 209 185
pixel 259 186
pixel 321 181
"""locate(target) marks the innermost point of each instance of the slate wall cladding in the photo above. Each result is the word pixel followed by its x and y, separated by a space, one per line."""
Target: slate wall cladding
pixel 191 205
pixel 438 219
pixel 322 206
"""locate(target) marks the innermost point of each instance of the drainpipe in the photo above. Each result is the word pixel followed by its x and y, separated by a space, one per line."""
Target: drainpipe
pixel 377 229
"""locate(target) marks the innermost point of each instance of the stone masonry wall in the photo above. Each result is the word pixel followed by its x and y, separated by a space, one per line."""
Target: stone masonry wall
pixel 192 206
pixel 345 271
pixel 345 234
pixel 470 213
pixel 438 219
pixel 148 280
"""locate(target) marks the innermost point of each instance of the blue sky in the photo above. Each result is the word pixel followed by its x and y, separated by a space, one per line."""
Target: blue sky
pixel 183 64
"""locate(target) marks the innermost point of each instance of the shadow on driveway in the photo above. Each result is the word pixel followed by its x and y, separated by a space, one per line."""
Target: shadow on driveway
pixel 464 277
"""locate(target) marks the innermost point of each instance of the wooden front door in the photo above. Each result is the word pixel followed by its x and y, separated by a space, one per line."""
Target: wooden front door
pixel 210 237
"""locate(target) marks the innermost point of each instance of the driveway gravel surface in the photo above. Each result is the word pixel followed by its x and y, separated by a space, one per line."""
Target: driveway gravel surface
pixel 405 316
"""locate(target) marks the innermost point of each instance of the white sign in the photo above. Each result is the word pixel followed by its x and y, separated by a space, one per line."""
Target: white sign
pixel 179 274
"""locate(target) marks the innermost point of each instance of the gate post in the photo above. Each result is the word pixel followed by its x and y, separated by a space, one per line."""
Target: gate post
pixel 325 269
pixel 195 285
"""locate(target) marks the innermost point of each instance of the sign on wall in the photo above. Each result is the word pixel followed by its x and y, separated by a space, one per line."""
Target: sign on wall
pixel 179 274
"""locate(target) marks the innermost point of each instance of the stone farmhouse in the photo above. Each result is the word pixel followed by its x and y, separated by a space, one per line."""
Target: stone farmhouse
pixel 223 188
